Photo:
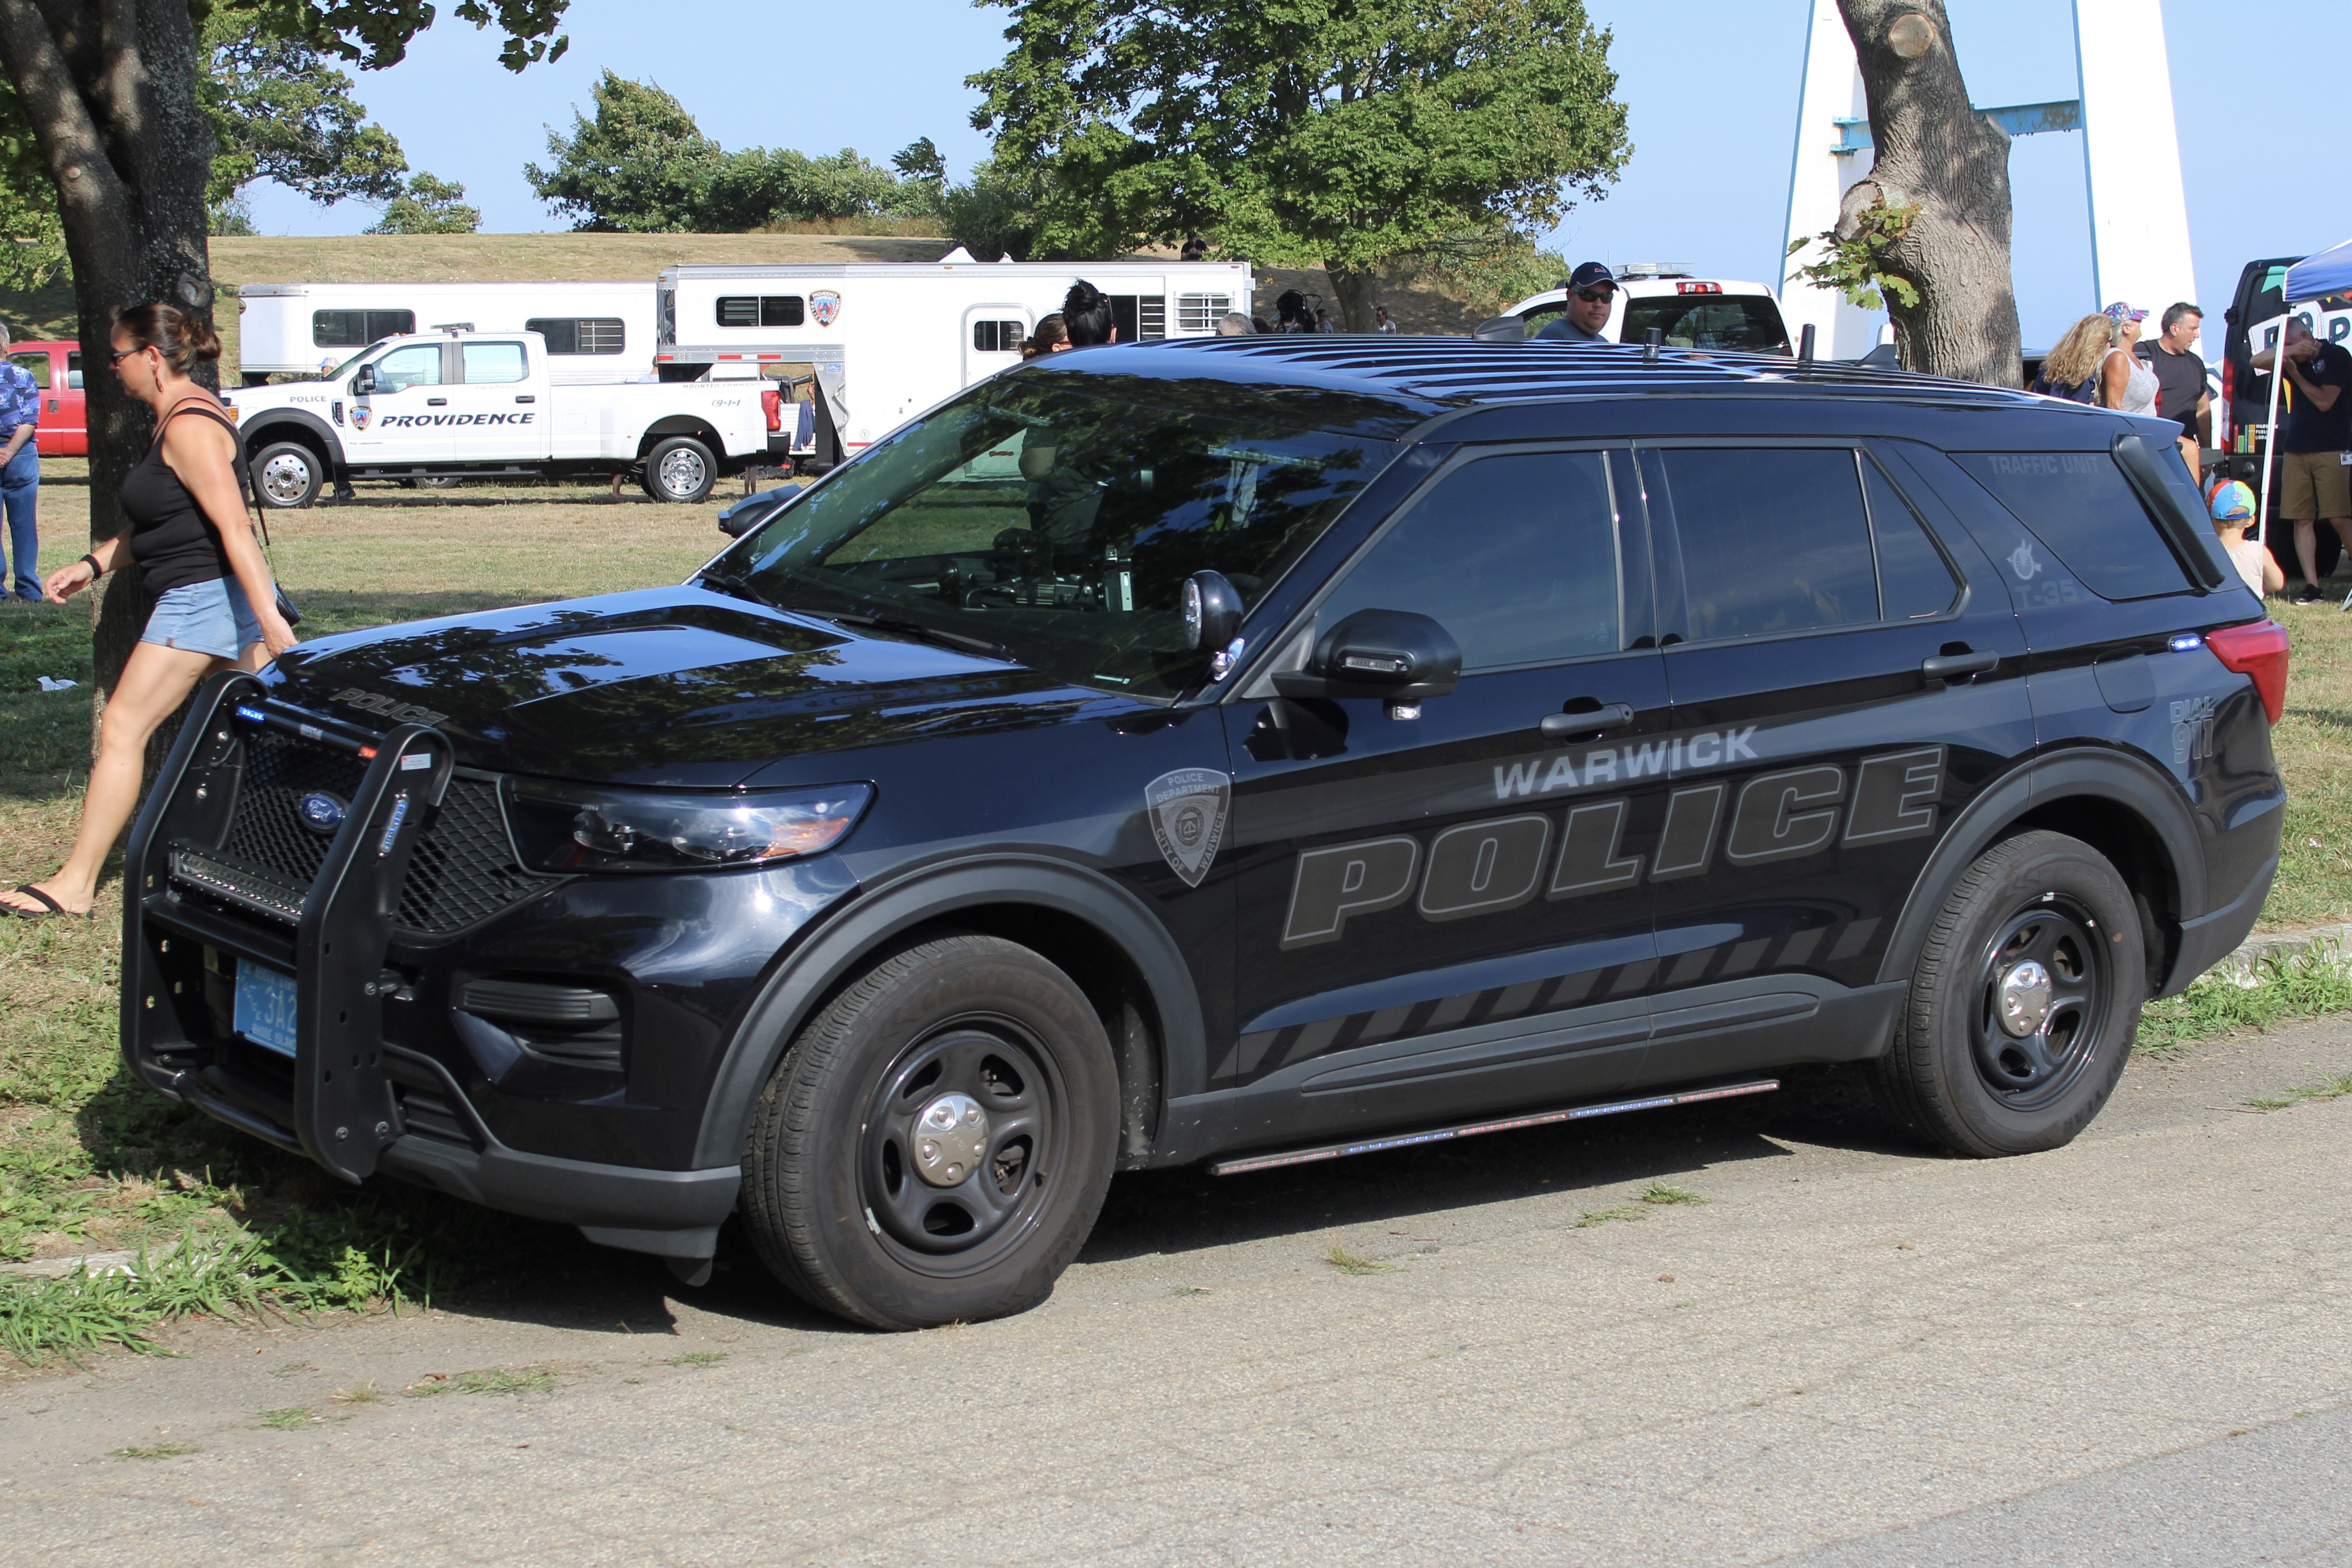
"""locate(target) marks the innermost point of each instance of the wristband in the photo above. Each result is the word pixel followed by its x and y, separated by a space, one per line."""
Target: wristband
pixel 96 571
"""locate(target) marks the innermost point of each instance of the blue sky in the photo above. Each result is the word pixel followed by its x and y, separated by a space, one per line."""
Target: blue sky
pixel 1711 86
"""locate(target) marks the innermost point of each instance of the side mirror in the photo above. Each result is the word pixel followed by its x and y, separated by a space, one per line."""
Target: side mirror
pixel 1395 655
pixel 1213 611
pixel 1501 330
pixel 364 382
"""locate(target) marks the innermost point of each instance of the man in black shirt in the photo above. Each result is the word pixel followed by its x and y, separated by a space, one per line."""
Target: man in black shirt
pixel 2181 390
pixel 2315 446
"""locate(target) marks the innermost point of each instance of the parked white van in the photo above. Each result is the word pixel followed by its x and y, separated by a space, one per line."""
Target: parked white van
pixel 595 331
pixel 886 341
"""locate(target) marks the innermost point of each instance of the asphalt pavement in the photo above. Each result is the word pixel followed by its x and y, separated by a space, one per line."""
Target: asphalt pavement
pixel 1854 1352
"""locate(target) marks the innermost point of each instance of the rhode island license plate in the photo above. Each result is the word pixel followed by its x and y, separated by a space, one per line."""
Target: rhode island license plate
pixel 265 1006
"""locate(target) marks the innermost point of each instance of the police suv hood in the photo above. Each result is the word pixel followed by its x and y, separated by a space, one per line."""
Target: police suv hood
pixel 674 687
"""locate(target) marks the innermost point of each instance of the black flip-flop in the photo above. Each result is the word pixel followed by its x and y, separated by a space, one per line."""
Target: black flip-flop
pixel 54 909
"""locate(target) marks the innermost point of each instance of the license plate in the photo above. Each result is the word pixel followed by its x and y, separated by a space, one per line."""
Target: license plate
pixel 265 1007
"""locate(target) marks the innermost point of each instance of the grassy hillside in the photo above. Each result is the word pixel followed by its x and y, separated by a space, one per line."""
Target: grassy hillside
pixel 472 258
pixel 597 259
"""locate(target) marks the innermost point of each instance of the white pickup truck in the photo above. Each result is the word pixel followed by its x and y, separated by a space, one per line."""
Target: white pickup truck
pixel 460 404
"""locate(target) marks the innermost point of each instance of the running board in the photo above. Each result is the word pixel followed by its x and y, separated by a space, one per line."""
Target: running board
pixel 1473 1129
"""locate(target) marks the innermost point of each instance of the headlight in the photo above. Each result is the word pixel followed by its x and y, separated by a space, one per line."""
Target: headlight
pixel 573 828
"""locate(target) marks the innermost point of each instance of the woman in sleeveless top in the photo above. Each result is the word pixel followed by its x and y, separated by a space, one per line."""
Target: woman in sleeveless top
pixel 2126 383
pixel 211 605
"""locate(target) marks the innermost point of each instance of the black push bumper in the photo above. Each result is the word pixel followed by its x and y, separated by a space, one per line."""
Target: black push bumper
pixel 346 1099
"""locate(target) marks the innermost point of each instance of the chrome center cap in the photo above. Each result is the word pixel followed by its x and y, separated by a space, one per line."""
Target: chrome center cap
pixel 950 1140
pixel 2025 999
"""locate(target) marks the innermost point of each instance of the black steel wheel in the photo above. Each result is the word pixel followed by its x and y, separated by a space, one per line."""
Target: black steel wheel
pixel 937 1143
pixel 2023 1003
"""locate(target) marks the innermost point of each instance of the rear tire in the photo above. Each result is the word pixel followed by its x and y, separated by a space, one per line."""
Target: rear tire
pixel 859 1190
pixel 286 474
pixel 2023 1003
pixel 679 468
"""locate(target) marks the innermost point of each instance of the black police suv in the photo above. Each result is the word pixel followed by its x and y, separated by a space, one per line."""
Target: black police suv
pixel 1249 749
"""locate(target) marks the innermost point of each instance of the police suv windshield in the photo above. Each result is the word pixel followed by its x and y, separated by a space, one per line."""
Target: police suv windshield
pixel 1057 516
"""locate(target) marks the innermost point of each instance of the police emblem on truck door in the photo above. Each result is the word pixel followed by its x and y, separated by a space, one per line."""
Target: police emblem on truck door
pixel 1187 809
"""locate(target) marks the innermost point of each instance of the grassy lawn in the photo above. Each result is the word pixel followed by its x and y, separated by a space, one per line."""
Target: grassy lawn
pixel 88 1162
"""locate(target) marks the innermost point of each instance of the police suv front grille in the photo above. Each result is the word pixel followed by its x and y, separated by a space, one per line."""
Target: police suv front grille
pixel 464 869
pixel 266 833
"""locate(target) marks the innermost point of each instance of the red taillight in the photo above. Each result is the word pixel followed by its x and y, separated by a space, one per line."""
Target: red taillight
pixel 2260 650
pixel 771 404
pixel 2228 382
pixel 1698 288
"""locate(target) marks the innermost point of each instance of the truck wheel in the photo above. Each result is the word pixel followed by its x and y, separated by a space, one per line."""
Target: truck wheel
pixel 679 468
pixel 2024 1005
pixel 937 1143
pixel 286 474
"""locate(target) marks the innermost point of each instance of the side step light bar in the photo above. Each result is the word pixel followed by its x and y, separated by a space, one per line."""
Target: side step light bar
pixel 1242 1167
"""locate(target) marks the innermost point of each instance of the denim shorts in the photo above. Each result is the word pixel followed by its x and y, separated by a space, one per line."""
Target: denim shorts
pixel 204 617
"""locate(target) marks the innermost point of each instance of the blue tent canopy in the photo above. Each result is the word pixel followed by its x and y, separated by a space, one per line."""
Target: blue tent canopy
pixel 2329 272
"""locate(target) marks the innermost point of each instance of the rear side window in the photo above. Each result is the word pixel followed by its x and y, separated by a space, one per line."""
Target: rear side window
pixel 1774 540
pixel 1515 556
pixel 1913 580
pixel 36 363
pixel 493 363
pixel 357 328
pixel 2082 507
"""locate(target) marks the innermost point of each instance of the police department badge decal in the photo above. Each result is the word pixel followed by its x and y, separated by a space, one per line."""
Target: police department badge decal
pixel 1187 809
pixel 361 413
pixel 824 305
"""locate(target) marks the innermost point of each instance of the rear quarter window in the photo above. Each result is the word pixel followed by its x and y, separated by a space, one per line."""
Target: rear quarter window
pixel 2082 507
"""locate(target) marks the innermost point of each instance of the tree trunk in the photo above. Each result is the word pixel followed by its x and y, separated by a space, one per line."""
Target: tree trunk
pixel 1937 155
pixel 111 89
pixel 1353 289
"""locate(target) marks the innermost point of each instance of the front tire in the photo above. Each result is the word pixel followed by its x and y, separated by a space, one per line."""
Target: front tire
pixel 286 474
pixel 2024 1005
pixel 680 469
pixel 937 1143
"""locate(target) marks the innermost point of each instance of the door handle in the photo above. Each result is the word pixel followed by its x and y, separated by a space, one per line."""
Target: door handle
pixel 526 398
pixel 53 405
pixel 436 403
pixel 1955 666
pixel 1591 721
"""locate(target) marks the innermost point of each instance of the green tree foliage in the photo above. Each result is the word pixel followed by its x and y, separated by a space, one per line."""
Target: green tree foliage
pixel 995 213
pixel 281 112
pixel 642 165
pixel 1343 133
pixel 427 206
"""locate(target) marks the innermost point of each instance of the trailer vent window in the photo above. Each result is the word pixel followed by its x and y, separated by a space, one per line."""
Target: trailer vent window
pixel 997 337
pixel 357 328
pixel 1201 312
pixel 581 334
pixel 1151 317
pixel 760 310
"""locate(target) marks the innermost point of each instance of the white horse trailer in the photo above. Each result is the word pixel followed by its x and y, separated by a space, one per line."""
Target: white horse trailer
pixel 886 341
pixel 595 331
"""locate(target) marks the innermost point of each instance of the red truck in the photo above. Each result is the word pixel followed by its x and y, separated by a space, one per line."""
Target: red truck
pixel 57 370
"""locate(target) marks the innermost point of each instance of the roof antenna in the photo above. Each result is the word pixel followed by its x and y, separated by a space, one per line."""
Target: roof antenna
pixel 1805 345
pixel 1649 348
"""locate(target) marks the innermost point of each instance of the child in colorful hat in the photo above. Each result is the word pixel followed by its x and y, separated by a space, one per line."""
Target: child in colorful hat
pixel 2234 509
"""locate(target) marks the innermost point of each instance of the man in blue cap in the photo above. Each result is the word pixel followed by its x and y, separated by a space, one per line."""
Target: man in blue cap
pixel 1591 291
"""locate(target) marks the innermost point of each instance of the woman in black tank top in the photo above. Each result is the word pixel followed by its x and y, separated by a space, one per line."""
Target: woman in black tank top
pixel 198 559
